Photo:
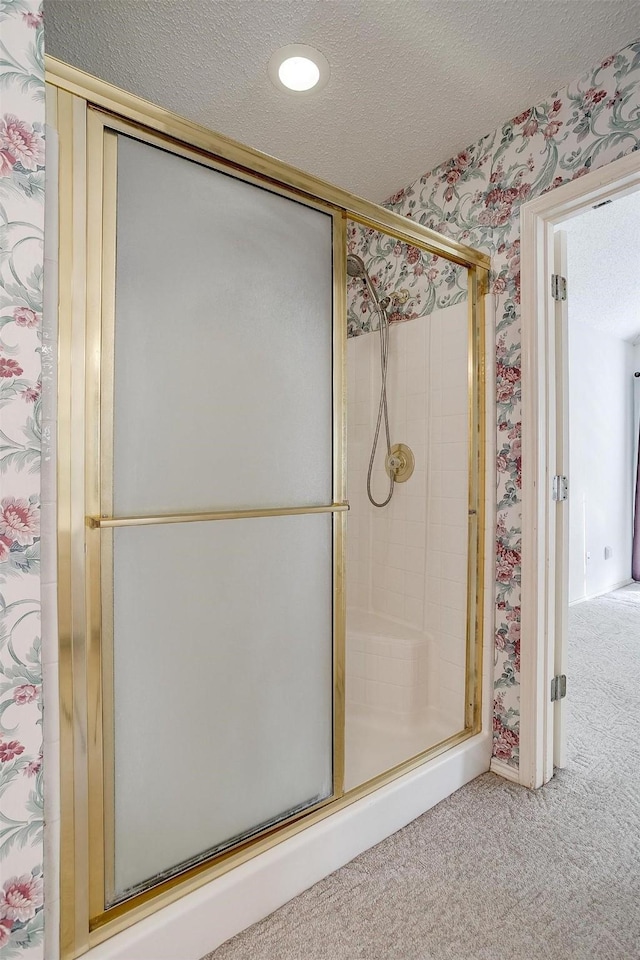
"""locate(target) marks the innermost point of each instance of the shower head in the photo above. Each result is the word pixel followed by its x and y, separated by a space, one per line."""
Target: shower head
pixel 356 267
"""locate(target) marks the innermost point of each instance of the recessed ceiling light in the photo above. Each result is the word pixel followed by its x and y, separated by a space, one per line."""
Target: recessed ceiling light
pixel 298 73
pixel 298 68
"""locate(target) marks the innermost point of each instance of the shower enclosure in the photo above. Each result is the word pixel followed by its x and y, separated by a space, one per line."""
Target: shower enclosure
pixel 207 697
pixel 410 613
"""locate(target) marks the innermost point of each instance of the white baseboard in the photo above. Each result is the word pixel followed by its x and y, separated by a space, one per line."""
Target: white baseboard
pixel 601 593
pixel 201 921
pixel 505 770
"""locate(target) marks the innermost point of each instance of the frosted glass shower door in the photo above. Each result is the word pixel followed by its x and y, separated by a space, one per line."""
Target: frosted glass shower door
pixel 223 685
pixel 223 341
pixel 217 514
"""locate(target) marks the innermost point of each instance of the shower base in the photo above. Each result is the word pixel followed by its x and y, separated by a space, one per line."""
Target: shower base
pixel 392 705
pixel 376 741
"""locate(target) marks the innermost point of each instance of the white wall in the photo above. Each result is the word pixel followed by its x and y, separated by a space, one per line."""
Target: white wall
pixel 601 431
pixel 636 414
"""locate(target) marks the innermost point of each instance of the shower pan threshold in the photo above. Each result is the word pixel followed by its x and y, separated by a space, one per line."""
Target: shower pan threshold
pixel 191 927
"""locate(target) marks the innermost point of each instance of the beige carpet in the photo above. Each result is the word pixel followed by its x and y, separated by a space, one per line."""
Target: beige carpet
pixel 497 872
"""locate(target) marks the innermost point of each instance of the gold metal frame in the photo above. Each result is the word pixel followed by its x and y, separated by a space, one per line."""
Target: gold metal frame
pixel 88 114
pixel 101 523
pixel 477 290
pixel 101 245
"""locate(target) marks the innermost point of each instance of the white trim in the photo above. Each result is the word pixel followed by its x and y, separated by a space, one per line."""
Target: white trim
pixel 503 769
pixel 535 265
pixel 601 593
pixel 537 218
pixel 201 921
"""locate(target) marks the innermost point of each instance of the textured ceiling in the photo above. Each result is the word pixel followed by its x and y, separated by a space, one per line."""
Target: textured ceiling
pixel 603 254
pixel 412 81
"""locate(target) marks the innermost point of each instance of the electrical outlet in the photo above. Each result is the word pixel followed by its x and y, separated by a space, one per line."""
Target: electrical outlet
pixel 608 553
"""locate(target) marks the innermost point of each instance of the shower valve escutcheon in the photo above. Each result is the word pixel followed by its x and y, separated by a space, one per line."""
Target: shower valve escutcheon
pixel 400 462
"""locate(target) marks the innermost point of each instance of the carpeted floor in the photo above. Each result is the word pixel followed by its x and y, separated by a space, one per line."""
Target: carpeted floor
pixel 496 872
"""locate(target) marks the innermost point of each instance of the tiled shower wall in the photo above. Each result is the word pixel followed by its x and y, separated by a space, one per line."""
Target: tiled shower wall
pixel 408 561
pixel 389 572
pixel 446 608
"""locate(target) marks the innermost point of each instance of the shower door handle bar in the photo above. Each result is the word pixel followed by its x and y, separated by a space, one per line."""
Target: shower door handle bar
pixel 99 522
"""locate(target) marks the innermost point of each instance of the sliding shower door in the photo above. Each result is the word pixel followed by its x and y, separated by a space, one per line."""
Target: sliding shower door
pixel 216 535
pixel 202 504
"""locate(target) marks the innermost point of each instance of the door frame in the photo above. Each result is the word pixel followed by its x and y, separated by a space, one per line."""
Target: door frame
pixel 542 591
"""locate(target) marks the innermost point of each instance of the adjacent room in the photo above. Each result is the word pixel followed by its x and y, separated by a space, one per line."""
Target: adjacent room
pixel 600 380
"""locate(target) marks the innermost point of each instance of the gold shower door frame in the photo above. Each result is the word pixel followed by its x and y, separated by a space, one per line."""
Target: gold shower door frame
pixel 89 114
pixel 102 146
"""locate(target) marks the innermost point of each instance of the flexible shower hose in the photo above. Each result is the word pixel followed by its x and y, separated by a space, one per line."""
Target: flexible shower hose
pixel 383 412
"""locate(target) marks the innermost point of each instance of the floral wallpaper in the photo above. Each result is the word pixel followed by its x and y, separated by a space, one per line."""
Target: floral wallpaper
pixel 475 198
pixel 21 269
pixel 416 282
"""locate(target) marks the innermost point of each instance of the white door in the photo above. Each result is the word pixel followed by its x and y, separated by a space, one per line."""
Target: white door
pixel 562 507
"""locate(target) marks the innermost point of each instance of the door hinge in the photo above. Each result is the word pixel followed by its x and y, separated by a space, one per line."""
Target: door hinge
pixel 560 489
pixel 558 687
pixel 558 287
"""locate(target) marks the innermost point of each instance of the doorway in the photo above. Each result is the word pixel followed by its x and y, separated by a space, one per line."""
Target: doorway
pixel 598 338
pixel 546 449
